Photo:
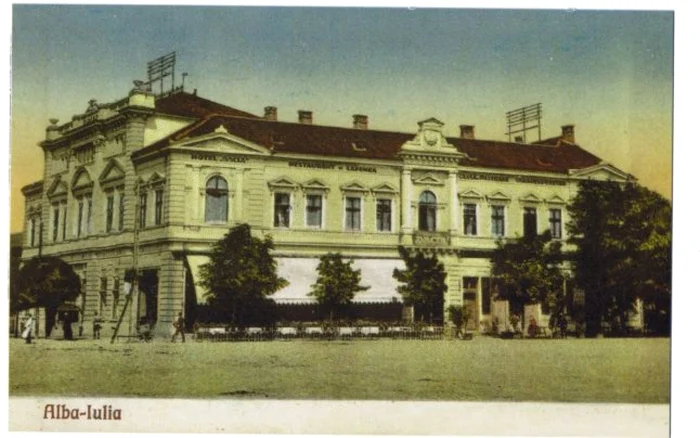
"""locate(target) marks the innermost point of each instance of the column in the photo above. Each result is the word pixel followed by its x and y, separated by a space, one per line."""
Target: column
pixel 453 203
pixel 406 196
pixel 238 213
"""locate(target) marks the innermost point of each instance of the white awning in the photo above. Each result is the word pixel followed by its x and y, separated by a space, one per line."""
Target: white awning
pixel 301 275
pixel 194 262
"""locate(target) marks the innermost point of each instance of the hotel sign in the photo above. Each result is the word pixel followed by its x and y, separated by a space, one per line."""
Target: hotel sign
pixel 502 177
pixel 431 239
pixel 203 156
pixel 328 165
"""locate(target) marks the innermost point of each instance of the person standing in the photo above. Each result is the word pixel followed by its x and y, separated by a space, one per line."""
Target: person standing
pixel 179 325
pixel 28 329
pixel 96 326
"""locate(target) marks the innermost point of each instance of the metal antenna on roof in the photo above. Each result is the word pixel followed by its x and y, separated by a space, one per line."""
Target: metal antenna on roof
pixel 161 68
pixel 524 119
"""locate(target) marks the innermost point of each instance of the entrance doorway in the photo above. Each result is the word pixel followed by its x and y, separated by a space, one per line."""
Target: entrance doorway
pixel 148 297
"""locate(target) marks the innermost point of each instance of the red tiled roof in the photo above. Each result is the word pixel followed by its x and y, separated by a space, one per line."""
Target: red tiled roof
pixel 190 105
pixel 331 141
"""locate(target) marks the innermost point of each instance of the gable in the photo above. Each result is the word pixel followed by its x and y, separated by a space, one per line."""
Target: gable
pixel 429 179
pixel 531 197
pixel 385 188
pixel 498 196
pixel 57 189
pixel 221 141
pixel 113 172
pixel 315 184
pixel 81 180
pixel 471 194
pixel 556 199
pixel 282 183
pixel 601 172
pixel 354 187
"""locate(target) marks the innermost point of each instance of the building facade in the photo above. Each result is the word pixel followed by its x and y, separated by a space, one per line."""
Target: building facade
pixel 150 182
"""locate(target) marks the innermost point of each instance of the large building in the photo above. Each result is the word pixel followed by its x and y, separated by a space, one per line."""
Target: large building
pixel 181 170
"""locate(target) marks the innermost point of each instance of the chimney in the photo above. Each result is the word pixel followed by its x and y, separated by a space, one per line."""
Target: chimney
pixel 305 117
pixel 466 131
pixel 271 113
pixel 360 121
pixel 567 133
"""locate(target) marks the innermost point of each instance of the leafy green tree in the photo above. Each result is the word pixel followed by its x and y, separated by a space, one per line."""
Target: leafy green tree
pixel 45 282
pixel 622 234
pixel 528 271
pixel 422 284
pixel 241 275
pixel 337 283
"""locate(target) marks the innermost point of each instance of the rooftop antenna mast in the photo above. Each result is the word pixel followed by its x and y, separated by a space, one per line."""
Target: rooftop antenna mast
pixel 159 69
pixel 524 119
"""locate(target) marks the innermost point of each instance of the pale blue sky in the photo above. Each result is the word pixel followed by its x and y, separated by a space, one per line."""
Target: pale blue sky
pixel 609 73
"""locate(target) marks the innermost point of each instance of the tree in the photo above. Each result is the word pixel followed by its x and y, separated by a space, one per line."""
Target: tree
pixel 337 283
pixel 240 275
pixel 622 234
pixel 45 282
pixel 528 271
pixel 423 284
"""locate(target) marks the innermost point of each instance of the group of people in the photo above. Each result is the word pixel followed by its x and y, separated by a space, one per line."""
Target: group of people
pixel 144 329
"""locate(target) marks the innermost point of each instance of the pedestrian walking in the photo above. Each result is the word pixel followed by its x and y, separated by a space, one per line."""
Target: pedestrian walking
pixel 96 326
pixel 28 329
pixel 179 325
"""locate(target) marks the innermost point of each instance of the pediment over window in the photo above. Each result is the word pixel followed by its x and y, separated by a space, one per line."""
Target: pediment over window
pixel 57 189
pixel 556 199
pixel 385 188
pixel 498 196
pixel 471 194
pixel 315 184
pixel 283 183
pixel 354 187
pixel 112 174
pixel 601 172
pixel 221 141
pixel 531 197
pixel 156 178
pixel 429 179
pixel 82 182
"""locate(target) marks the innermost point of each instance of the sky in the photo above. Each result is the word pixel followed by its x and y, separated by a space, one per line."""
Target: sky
pixel 610 73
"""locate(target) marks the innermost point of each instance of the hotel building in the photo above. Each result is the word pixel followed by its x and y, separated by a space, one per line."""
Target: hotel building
pixel 152 181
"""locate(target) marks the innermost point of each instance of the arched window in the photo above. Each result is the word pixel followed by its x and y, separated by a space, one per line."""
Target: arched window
pixel 427 211
pixel 216 209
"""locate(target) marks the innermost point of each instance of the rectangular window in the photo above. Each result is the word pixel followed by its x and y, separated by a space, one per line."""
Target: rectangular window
pixel 353 214
pixel 115 298
pixel 88 219
pixel 81 206
pixel 143 198
pixel 103 294
pixel 530 222
pixel 32 230
pixel 63 226
pixel 122 207
pixel 282 210
pixel 55 223
pixel 555 223
pixel 384 215
pixel 498 220
pixel 470 219
pixel 485 295
pixel 109 212
pixel 159 207
pixel 314 210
